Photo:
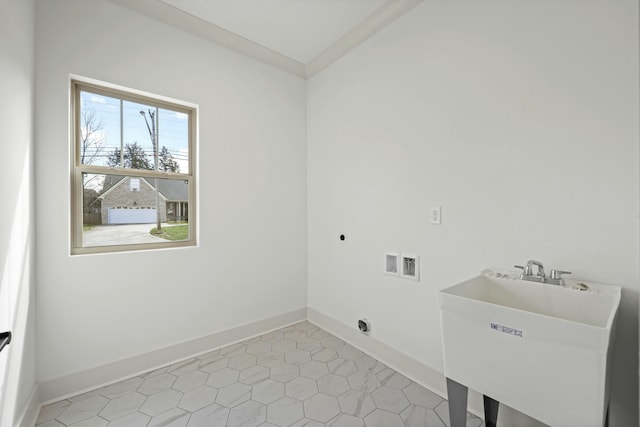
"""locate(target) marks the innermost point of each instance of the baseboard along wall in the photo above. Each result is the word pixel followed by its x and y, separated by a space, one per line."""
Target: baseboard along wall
pixel 60 388
pixel 66 386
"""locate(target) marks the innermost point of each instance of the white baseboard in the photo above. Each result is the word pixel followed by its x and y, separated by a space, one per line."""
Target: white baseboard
pixel 411 368
pixel 30 415
pixel 77 383
pixel 70 385
pixel 396 360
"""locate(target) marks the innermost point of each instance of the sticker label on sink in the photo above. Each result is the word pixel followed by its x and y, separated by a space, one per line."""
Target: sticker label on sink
pixel 506 330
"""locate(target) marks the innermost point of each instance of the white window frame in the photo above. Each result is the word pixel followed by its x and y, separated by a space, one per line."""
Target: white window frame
pixel 77 169
pixel 134 184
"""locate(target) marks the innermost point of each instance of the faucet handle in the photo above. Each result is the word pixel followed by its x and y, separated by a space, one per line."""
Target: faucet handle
pixel 524 270
pixel 557 274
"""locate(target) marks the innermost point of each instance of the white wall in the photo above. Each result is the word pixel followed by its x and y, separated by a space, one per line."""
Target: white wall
pixel 520 119
pixel 17 306
pixel 251 262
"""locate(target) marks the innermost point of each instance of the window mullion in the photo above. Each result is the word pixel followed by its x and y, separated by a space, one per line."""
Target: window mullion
pixel 121 136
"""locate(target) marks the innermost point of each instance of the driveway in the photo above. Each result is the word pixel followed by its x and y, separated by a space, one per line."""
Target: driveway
pixel 120 234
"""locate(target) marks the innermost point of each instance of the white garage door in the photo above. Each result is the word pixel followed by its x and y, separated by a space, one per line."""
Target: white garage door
pixel 131 216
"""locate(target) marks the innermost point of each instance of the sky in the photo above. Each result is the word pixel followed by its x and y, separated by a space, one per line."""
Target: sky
pixel 172 129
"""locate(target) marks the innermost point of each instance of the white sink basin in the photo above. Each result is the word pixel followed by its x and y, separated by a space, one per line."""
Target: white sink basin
pixel 541 349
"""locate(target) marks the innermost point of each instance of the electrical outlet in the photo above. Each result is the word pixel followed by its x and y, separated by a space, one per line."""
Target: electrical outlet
pixel 435 215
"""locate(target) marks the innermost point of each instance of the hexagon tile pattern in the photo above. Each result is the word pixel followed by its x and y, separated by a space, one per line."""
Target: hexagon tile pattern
pixel 297 376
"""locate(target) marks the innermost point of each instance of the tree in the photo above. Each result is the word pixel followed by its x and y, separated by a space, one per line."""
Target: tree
pixel 166 162
pixel 91 136
pixel 134 158
pixel 91 205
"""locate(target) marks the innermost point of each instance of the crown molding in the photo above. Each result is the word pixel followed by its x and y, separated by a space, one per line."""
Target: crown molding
pixel 385 15
pixel 175 17
pixel 168 14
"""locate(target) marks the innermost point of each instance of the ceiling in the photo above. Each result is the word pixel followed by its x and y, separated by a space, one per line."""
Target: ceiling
pixel 301 37
pixel 299 29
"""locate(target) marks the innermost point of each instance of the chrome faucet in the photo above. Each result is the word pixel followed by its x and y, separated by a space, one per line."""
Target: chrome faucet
pixel 539 276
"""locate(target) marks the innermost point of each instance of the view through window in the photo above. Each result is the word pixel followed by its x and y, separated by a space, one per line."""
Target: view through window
pixel 133 177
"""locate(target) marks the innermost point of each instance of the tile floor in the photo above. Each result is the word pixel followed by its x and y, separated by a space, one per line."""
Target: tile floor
pixel 297 376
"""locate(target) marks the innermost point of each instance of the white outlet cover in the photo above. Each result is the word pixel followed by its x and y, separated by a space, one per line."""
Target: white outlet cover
pixel 435 215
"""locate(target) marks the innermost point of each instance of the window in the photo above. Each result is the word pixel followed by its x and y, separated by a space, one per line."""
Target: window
pixel 134 184
pixel 133 171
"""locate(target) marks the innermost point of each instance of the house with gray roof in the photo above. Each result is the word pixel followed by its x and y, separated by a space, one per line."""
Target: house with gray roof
pixel 132 200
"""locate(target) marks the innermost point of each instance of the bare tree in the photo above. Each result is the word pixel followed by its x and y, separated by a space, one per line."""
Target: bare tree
pixel 91 136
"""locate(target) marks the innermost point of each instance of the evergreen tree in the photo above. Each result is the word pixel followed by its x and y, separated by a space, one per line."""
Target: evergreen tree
pixel 166 161
pixel 134 158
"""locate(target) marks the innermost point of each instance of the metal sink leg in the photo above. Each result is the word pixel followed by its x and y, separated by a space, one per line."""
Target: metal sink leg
pixel 457 396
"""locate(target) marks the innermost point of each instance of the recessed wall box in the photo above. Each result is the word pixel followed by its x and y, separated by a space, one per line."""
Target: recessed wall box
pixel 410 267
pixel 392 263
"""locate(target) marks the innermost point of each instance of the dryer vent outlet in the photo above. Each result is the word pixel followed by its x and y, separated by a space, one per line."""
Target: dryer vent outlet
pixel 364 326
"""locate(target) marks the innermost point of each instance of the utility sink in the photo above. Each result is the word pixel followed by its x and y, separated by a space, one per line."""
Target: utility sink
pixel 542 349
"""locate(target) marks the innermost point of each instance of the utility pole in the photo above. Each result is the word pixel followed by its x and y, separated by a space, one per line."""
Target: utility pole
pixel 154 142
